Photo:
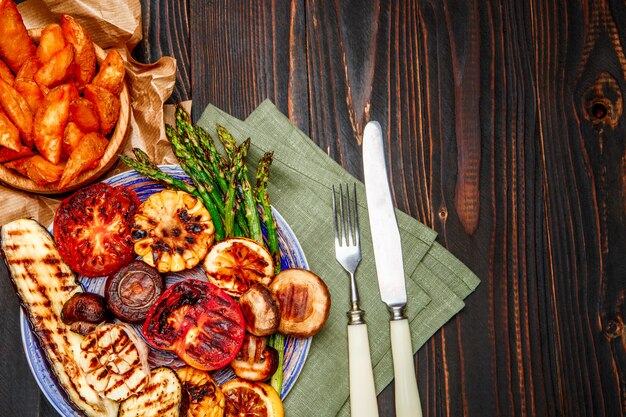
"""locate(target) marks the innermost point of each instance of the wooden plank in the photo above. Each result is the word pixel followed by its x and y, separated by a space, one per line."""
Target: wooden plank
pixel 166 33
pixel 245 52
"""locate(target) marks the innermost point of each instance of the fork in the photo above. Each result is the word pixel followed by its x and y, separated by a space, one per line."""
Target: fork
pixel 348 253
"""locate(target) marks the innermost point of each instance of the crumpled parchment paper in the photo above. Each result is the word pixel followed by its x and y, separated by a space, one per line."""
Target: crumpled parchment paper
pixel 111 24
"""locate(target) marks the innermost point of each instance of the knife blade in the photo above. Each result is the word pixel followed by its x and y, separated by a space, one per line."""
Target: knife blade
pixel 390 269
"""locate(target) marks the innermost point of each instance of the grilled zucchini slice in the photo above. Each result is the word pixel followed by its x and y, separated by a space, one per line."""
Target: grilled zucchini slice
pixel 162 397
pixel 115 359
pixel 44 283
pixel 172 231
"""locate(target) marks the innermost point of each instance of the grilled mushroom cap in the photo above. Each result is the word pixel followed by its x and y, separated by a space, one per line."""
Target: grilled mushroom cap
pixel 304 302
pixel 132 290
pixel 260 310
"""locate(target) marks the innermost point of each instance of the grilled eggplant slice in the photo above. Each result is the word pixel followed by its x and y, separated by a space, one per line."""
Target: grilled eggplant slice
pixel 44 282
pixel 162 397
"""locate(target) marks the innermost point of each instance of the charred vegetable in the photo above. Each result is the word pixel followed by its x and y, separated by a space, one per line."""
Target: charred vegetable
pixel 199 322
pixel 162 397
pixel 205 397
pixel 83 311
pixel 92 228
pixel 304 302
pixel 132 290
pixel 246 398
pixel 260 310
pixel 115 360
pixel 172 231
pixel 256 361
pixel 235 264
pixel 30 251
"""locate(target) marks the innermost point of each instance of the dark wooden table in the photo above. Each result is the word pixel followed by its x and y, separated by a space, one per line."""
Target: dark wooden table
pixel 506 135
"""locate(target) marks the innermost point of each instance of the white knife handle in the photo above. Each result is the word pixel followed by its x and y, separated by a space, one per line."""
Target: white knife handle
pixel 407 395
pixel 362 391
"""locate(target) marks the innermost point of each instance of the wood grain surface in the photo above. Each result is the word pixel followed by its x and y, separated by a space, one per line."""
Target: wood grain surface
pixel 505 133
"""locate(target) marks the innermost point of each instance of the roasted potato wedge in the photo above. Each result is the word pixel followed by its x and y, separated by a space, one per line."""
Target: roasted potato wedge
pixel 87 153
pixel 58 69
pixel 71 139
pixel 51 42
pixel 9 135
pixel 18 110
pixel 15 44
pixel 107 106
pixel 111 73
pixel 29 69
pixel 84 113
pixel 31 92
pixel 37 169
pixel 85 53
pixel 7 154
pixel 51 120
pixel 20 165
pixel 5 73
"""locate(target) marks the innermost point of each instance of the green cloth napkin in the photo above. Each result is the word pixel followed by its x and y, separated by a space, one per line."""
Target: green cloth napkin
pixel 300 189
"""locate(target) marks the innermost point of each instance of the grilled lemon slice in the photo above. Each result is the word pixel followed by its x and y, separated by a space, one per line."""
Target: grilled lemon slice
pixel 251 399
pixel 237 263
pixel 172 231
pixel 205 397
pixel 115 361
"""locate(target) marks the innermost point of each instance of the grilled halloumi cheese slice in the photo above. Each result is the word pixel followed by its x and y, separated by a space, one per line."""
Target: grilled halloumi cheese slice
pixel 44 282
pixel 115 360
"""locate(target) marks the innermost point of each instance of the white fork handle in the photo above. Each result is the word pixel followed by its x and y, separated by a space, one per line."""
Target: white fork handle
pixel 362 391
pixel 407 395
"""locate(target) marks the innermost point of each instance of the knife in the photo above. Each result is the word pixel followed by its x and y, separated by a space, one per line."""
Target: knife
pixel 390 269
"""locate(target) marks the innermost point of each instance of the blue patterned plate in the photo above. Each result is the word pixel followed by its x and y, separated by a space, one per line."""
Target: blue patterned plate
pixel 296 350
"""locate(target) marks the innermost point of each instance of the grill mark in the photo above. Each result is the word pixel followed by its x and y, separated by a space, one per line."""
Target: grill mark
pixel 51 260
pixel 55 357
pixel 118 383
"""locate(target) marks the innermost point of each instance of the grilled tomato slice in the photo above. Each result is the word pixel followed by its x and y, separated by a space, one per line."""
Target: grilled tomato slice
pixel 172 231
pixel 92 229
pixel 237 263
pixel 199 322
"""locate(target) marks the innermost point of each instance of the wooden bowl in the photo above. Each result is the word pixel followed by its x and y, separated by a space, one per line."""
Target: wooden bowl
pixel 116 140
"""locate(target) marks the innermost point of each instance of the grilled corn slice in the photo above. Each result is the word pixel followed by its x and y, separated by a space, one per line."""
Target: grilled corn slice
pixel 205 397
pixel 172 231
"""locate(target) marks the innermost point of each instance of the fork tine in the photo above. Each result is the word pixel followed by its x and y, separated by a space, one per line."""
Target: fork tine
pixel 342 217
pixel 357 234
pixel 335 217
pixel 349 210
